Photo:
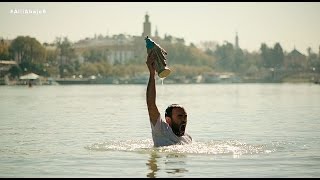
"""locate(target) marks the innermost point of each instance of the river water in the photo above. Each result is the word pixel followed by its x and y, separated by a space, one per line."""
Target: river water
pixel 239 130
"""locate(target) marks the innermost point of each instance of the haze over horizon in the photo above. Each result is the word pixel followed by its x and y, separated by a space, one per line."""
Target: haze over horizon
pixel 292 24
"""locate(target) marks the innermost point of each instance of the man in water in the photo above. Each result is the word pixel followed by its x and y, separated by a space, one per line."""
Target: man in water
pixel 171 130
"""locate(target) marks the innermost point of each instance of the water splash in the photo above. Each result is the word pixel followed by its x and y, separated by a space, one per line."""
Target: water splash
pixel 122 145
pixel 162 81
pixel 230 147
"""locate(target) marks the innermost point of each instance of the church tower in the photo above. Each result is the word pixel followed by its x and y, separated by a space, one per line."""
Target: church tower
pixel 156 34
pixel 237 41
pixel 146 27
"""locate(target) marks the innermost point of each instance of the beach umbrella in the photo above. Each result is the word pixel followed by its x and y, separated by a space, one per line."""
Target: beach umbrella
pixel 30 76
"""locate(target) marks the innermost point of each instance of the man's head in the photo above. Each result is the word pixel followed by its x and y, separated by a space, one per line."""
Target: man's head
pixel 176 117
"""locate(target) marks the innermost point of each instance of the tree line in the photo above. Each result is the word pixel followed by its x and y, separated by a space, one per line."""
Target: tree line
pixel 184 60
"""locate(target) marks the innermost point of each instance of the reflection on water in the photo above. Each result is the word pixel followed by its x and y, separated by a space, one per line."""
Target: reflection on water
pixel 152 164
pixel 171 159
pixel 177 161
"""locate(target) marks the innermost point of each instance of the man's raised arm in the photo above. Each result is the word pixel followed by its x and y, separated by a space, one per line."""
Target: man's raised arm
pixel 151 91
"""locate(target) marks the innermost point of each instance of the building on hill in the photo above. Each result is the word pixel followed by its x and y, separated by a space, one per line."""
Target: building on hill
pixel 119 48
pixel 146 26
pixel 295 60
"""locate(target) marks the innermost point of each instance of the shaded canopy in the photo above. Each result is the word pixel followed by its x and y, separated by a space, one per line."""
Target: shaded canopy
pixel 30 76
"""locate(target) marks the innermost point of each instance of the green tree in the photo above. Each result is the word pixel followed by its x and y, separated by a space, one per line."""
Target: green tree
pixel 30 55
pixel 278 56
pixel 225 56
pixel 266 55
pixel 313 61
pixel 4 51
pixel 179 53
pixel 239 59
pixel 95 55
pixel 67 56
pixel 27 49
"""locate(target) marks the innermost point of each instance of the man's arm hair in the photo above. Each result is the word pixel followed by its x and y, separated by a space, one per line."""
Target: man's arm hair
pixel 151 100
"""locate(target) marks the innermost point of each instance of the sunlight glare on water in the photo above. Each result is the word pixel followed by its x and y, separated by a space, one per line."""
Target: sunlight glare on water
pixel 231 147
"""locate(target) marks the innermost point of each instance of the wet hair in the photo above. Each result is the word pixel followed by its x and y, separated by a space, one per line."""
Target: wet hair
pixel 168 112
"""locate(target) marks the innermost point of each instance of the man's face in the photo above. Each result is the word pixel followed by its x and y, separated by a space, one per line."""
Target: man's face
pixel 178 121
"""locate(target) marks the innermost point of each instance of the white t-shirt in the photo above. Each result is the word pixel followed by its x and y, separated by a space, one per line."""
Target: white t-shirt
pixel 163 135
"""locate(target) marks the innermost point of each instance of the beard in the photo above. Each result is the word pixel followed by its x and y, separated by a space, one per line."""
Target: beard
pixel 178 129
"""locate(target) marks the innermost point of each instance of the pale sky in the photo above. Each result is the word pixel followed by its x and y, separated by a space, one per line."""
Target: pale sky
pixel 292 24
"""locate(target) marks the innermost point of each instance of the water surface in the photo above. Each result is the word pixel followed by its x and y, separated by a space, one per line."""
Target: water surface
pixel 239 130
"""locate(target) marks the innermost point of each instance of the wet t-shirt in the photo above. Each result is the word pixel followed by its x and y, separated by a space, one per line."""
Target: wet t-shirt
pixel 163 135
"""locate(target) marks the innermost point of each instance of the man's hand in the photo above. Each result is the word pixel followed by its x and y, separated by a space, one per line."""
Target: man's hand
pixel 151 62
